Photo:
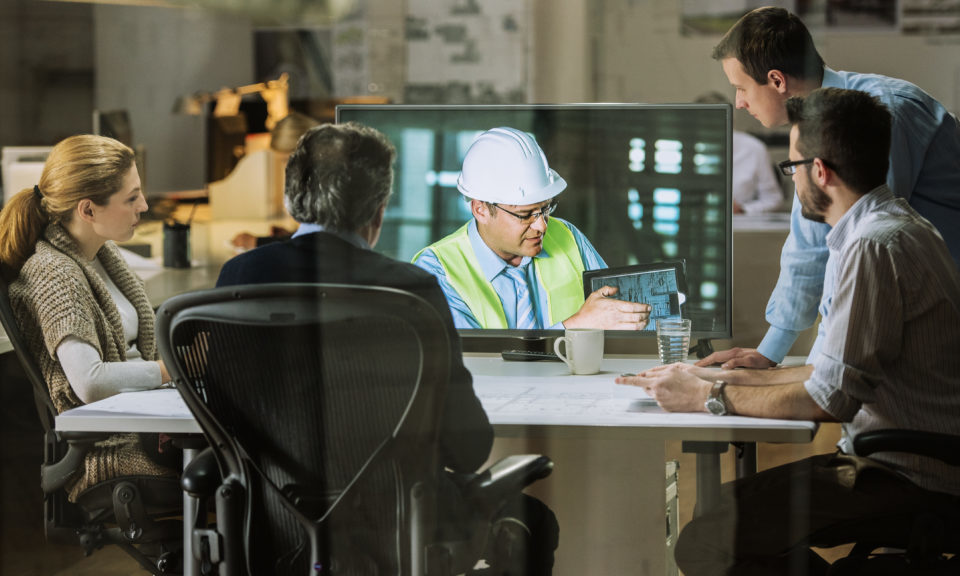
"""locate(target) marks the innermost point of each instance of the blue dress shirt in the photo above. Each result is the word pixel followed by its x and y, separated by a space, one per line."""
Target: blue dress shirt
pixel 351 237
pixel 924 169
pixel 494 270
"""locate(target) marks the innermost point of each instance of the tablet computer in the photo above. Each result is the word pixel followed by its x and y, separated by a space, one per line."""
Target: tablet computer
pixel 662 285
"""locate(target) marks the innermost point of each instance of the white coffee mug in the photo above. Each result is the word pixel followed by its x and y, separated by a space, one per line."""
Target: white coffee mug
pixel 584 347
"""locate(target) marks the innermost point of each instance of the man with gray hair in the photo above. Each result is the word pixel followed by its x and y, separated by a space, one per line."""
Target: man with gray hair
pixel 338 182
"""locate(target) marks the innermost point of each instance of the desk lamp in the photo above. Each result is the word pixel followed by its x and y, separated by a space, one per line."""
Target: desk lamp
pixel 227 100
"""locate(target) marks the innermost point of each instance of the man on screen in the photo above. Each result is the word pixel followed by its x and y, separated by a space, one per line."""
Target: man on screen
pixel 769 56
pixel 889 361
pixel 511 265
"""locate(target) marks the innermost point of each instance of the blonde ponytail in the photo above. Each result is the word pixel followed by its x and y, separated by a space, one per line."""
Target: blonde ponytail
pixel 22 221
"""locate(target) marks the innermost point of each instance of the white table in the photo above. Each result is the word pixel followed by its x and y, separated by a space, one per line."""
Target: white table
pixel 607 442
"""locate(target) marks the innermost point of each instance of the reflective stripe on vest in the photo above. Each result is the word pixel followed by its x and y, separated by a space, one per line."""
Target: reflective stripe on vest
pixel 561 275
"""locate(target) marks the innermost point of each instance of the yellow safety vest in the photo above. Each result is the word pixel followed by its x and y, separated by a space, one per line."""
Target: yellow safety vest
pixel 560 274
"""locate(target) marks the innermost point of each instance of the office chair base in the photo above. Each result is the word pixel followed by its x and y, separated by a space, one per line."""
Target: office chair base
pixel 158 558
pixel 166 563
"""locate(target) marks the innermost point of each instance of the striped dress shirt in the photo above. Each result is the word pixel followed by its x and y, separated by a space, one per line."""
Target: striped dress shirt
pixel 891 351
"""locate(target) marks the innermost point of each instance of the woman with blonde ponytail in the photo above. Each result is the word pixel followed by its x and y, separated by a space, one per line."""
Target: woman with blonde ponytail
pixel 84 314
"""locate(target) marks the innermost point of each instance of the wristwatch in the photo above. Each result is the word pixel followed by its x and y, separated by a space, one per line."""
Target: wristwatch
pixel 716 403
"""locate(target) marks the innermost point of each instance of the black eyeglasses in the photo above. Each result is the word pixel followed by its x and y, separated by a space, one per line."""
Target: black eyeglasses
pixel 789 167
pixel 532 217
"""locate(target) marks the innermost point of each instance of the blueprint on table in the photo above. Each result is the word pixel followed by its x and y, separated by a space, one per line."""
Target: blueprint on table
pixel 556 400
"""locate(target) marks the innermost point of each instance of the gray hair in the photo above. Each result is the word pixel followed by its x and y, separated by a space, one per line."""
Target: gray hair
pixel 339 176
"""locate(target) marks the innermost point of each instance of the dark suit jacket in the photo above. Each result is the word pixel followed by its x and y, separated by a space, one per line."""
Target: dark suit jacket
pixel 466 436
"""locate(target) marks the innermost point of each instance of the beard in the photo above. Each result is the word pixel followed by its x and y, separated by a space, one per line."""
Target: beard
pixel 814 204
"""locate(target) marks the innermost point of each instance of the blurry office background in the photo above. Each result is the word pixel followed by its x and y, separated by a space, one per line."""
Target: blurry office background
pixel 64 59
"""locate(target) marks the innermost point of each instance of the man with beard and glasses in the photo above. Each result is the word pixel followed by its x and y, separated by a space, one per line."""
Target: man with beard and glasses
pixel 888 360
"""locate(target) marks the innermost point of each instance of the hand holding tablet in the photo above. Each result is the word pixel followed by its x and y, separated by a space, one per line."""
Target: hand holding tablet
pixel 661 285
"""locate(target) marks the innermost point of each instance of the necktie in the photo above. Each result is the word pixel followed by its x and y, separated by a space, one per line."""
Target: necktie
pixel 525 316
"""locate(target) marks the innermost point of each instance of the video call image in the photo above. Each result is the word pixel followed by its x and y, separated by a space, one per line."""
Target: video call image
pixel 645 183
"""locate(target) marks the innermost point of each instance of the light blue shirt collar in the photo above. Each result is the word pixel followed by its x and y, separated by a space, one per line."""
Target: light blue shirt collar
pixel 831 79
pixel 861 209
pixel 351 237
pixel 490 264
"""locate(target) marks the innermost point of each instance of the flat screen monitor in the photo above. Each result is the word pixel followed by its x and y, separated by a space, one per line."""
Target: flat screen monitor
pixel 646 183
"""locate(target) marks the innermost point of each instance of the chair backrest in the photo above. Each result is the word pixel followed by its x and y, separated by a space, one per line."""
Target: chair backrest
pixel 41 394
pixel 323 400
pixel 61 518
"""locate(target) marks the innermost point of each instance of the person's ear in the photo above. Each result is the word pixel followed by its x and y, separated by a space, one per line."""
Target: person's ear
pixel 480 210
pixel 778 80
pixel 85 210
pixel 821 173
pixel 378 219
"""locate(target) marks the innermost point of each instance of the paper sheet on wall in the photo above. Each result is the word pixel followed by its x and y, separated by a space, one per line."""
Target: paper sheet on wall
pixel 466 51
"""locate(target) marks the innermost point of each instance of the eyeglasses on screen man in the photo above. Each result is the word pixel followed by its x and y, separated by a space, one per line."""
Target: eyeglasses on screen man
pixel 532 217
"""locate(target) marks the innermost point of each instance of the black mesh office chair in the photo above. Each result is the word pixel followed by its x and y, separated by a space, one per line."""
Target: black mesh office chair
pixel 321 403
pixel 930 545
pixel 132 512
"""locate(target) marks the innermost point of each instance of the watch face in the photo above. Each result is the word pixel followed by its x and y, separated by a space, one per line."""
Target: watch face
pixel 716 407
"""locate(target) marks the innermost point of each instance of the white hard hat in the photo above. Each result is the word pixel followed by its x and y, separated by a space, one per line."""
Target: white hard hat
pixel 507 166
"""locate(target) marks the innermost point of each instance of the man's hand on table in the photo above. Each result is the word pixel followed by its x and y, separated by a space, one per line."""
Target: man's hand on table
pixel 737 358
pixel 675 387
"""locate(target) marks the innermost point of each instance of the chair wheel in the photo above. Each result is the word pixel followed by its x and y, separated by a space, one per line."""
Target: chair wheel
pixel 509 550
pixel 169 563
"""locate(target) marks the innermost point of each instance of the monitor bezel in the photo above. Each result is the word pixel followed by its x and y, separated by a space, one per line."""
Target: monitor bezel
pixel 482 340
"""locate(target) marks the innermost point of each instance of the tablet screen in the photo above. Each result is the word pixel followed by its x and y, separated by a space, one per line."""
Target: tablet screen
pixel 661 285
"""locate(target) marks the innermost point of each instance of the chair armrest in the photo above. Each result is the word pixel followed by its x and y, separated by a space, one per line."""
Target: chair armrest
pixel 507 477
pixel 54 472
pixel 201 476
pixel 943 447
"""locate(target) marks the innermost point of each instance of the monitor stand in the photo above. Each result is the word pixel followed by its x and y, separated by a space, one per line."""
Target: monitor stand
pixel 703 348
pixel 533 343
pixel 529 349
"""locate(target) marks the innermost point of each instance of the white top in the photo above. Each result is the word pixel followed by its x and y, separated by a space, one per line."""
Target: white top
pixel 755 185
pixel 92 378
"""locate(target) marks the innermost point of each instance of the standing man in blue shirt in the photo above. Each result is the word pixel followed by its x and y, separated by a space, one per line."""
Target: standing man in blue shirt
pixel 512 265
pixel 769 56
